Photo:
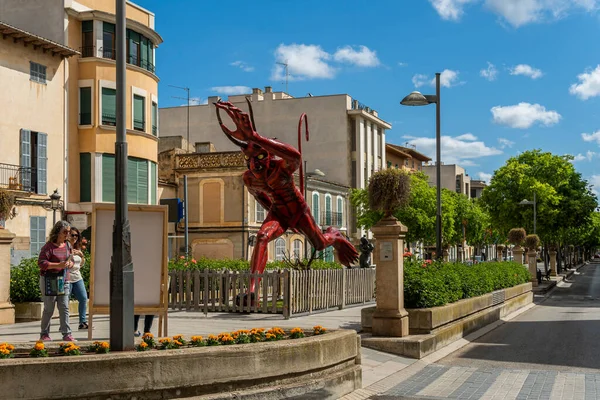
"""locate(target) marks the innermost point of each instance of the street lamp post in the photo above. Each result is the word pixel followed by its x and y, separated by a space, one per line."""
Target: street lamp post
pixel 316 172
pixel 54 204
pixel 418 99
pixel 534 202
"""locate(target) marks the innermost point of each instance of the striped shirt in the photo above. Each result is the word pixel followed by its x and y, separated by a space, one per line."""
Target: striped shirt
pixel 52 253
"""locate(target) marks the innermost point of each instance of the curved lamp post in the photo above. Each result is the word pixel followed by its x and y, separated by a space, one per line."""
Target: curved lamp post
pixel 526 202
pixel 418 99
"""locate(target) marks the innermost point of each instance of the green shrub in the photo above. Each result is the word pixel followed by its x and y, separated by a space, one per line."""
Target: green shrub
pixel 182 264
pixel 438 283
pixel 25 281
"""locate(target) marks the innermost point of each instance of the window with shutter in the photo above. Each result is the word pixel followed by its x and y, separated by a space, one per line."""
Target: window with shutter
pixel 315 207
pixel 87 39
pixel 37 234
pixel 85 177
pixel 108 178
pixel 279 249
pixel 109 106
pixel 297 249
pixel 37 72
pixel 42 161
pixel 26 175
pixel 85 106
pixel 144 52
pixel 142 181
pixel 108 41
pixel 328 210
pixel 154 119
pixel 260 213
pixel 134 47
pixel 340 211
pixel 153 183
pixel 139 117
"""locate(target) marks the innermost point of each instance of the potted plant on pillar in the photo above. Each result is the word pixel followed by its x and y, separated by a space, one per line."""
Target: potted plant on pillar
pixel 388 190
pixel 499 251
pixel 7 203
pixel 516 236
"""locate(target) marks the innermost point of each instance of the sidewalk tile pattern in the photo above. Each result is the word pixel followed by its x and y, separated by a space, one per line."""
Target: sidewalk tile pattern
pixel 437 381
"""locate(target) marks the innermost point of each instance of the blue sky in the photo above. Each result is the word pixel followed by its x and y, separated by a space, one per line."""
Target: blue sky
pixel 516 74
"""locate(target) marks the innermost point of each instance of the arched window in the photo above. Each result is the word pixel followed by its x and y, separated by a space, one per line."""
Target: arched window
pixel 279 249
pixel 327 254
pixel 328 210
pixel 297 249
pixel 315 207
pixel 340 210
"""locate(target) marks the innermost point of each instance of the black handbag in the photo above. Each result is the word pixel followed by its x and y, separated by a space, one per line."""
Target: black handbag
pixel 54 283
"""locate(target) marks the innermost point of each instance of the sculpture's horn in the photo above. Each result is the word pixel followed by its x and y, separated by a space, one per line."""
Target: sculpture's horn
pixel 235 141
pixel 251 114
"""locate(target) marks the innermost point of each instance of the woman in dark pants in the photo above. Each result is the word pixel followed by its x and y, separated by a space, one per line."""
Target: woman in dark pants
pixel 147 324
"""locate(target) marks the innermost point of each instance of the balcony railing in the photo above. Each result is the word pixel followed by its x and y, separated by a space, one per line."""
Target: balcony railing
pixel 88 51
pixel 154 130
pixel 139 125
pixel 330 218
pixel 15 177
pixel 109 53
pixel 109 119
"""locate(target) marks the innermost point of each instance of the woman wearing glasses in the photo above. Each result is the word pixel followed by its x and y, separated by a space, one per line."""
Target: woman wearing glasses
pixel 75 278
pixel 54 260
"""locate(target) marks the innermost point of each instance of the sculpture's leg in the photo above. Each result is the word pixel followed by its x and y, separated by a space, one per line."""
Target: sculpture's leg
pixel 270 230
pixel 332 237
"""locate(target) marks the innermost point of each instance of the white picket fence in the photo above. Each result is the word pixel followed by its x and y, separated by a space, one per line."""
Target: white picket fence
pixel 287 292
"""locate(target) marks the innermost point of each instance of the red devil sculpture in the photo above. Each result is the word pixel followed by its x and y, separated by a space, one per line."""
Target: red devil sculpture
pixel 270 179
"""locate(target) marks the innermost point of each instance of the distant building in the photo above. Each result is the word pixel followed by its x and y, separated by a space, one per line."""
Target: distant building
pixel 406 158
pixel 347 138
pixel 454 178
pixel 477 187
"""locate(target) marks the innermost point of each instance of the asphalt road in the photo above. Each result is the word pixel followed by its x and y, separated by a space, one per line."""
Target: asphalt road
pixel 562 333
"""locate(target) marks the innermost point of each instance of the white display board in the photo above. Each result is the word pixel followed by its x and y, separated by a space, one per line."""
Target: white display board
pixel 148 227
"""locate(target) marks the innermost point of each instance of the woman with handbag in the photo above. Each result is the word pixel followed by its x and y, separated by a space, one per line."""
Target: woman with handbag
pixel 54 261
pixel 76 280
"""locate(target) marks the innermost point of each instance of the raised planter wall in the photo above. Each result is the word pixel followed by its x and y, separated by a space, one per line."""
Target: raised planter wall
pixel 326 366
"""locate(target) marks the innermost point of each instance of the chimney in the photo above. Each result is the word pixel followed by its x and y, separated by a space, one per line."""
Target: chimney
pixel 256 91
pixel 268 89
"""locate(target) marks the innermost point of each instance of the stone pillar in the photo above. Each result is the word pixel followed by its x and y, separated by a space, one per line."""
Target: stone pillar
pixel 390 318
pixel 526 255
pixel 446 255
pixel 533 267
pixel 552 262
pixel 518 254
pixel 7 310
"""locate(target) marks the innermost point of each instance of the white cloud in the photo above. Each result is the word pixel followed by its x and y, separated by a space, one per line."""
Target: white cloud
pixel 459 150
pixel 485 177
pixel 196 101
pixel 448 78
pixel 490 73
pixel 450 9
pixel 526 70
pixel 588 86
pixel 522 12
pixel 402 64
pixel 594 181
pixel 243 66
pixel 362 57
pixel 591 137
pixel 304 62
pixel 467 137
pixel 504 143
pixel 524 115
pixel 589 155
pixel 231 90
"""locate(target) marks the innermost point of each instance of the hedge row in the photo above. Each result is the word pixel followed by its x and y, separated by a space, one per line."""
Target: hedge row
pixel 182 264
pixel 439 283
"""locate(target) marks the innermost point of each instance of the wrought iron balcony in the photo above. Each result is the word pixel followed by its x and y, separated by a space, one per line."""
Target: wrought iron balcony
pixel 88 51
pixel 330 218
pixel 109 53
pixel 15 177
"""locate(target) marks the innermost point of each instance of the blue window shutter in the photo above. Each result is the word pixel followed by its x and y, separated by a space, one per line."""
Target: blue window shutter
pixel 315 208
pixel 26 158
pixel 37 234
pixel 132 174
pixel 153 183
pixel 108 178
pixel 42 161
pixel 142 181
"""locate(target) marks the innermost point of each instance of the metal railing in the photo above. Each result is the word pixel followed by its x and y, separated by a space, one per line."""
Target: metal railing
pixel 109 53
pixel 15 177
pixel 109 119
pixel 139 125
pixel 88 51
pixel 154 130
pixel 330 218
pixel 85 118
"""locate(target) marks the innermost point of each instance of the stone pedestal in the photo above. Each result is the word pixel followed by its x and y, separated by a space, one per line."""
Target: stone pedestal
pixel 518 254
pixel 390 317
pixel 446 255
pixel 7 310
pixel 552 262
pixel 532 262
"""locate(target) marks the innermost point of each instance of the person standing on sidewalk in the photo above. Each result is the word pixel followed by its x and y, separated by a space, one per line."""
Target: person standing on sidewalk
pixel 54 262
pixel 76 280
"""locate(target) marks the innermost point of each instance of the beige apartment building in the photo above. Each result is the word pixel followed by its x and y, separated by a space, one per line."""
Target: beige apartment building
pixel 66 110
pixel 33 131
pixel 454 178
pixel 223 216
pixel 347 138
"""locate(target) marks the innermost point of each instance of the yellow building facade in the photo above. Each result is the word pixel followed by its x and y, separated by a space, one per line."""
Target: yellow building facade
pixel 59 96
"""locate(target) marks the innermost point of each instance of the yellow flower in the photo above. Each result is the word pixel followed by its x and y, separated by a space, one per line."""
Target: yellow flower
pixel 104 345
pixel 177 342
pixel 4 351
pixel 213 337
pixel 147 335
pixel 269 336
pixel 177 337
pixel 296 330
pixel 39 346
pixel 197 338
pixel 143 345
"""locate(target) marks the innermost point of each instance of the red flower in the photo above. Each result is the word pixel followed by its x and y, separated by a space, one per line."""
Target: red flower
pixel 408 254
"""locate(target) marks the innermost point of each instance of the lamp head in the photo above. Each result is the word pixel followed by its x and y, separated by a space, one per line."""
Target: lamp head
pixel 524 202
pixel 55 200
pixel 415 99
